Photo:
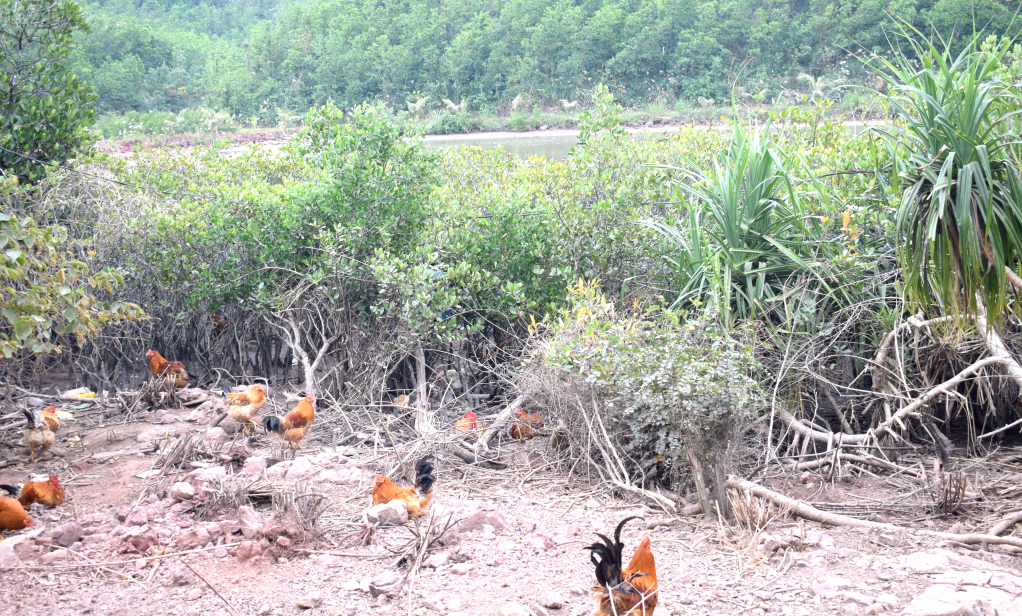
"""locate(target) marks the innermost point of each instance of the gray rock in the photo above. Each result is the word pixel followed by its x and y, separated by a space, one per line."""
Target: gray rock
pixel 462 568
pixel 394 513
pixel 194 594
pixel 8 558
pixel 388 583
pixel 552 600
pixel 182 577
pixel 67 534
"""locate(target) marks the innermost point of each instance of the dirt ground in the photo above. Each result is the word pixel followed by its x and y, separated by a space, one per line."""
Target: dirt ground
pixel 513 543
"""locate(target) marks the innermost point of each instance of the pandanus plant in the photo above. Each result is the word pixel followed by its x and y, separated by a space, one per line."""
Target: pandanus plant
pixel 957 151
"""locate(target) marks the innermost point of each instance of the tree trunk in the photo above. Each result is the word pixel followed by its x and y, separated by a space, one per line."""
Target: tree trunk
pixel 423 418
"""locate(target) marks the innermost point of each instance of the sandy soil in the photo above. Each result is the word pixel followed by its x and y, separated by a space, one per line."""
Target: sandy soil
pixel 517 549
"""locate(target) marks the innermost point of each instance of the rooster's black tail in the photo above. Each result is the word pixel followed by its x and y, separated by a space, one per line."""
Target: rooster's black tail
pixel 424 475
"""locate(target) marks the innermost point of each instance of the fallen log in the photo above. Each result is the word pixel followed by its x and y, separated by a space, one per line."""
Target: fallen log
pixel 804 510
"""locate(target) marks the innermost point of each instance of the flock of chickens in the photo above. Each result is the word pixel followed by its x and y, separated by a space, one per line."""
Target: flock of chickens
pixel 621 591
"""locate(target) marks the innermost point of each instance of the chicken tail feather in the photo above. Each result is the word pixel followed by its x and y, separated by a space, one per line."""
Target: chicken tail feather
pixel 13 491
pixel 424 477
pixel 31 418
pixel 272 424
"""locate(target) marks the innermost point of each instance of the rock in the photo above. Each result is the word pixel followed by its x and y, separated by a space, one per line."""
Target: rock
pixel 254 466
pixel 195 594
pixel 551 600
pixel 828 586
pixel 925 561
pixel 249 522
pixel 540 542
pixel 54 556
pixel 309 602
pixel 437 560
pixel 394 513
pixel 182 491
pixel 475 521
pixel 943 600
pixel 770 543
pixel 121 514
pixel 167 418
pixel 826 543
pixel 137 517
pixel 215 437
pixel 182 577
pixel 278 471
pixel 858 597
pixel 283 541
pixel 194 538
pixel 213 475
pixel 249 550
pixel 67 534
pixel 299 468
pixel 515 609
pixel 462 568
pixel 220 552
pixel 8 559
pixel 150 434
pixel 264 610
pixel 388 583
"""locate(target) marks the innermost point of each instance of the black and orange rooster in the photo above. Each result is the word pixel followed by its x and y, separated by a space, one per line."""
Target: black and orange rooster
pixel 416 498
pixel 628 592
pixel 47 493
pixel 294 425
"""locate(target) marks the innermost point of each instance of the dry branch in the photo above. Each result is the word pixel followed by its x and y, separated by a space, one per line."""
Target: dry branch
pixel 809 512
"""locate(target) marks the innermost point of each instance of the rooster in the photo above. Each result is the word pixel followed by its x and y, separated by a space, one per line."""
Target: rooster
pixel 468 426
pixel 525 425
pixel 47 493
pixel 417 498
pixel 242 406
pixel 172 373
pixel 293 426
pixel 12 515
pixel 631 592
pixel 41 429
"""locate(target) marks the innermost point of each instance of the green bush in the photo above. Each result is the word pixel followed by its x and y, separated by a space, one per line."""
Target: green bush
pixel 45 109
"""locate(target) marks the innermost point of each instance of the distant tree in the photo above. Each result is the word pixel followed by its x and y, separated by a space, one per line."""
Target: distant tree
pixel 45 109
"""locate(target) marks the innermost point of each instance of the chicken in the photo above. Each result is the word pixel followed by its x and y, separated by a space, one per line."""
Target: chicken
pixel 631 592
pixel 295 425
pixel 219 323
pixel 416 498
pixel 172 373
pixel 12 515
pixel 525 425
pixel 40 430
pixel 242 406
pixel 468 426
pixel 47 493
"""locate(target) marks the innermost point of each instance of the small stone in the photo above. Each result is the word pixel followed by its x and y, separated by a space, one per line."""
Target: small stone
pixel 137 517
pixel 220 552
pixel 182 577
pixel 167 418
pixel 394 513
pixel 309 602
pixel 264 610
pixel 54 556
pixel 253 466
pixel 283 541
pixel 194 538
pixel 8 558
pixel 828 586
pixel 437 560
pixel 552 600
pixel 388 583
pixel 182 491
pixel 194 594
pixel 140 564
pixel 248 550
pixel 215 437
pixel 249 522
pixel 515 609
pixel 67 534
pixel 462 568
pixel 770 543
pixel 858 597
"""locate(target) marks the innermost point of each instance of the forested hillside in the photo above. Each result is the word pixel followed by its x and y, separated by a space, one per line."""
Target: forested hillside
pixel 258 59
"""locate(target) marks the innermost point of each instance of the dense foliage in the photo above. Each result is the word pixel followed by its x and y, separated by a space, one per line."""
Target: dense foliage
pixel 45 108
pixel 264 61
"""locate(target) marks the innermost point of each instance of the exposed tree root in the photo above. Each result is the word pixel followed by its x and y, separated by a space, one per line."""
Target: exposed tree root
pixel 809 512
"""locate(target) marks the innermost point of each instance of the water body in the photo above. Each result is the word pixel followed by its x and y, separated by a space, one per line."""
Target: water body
pixel 554 144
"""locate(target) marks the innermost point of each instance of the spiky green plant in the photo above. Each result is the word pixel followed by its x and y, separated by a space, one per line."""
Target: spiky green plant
pixel 956 146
